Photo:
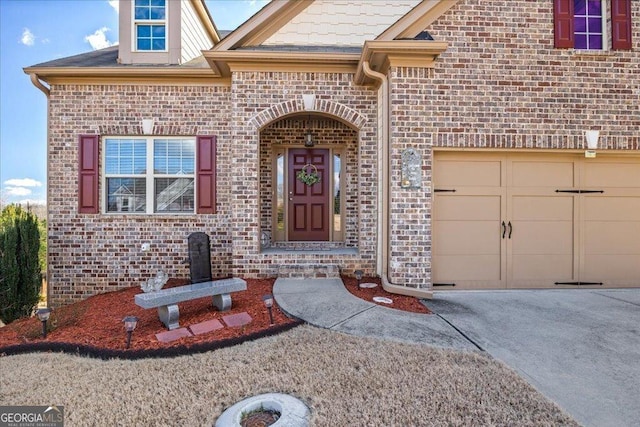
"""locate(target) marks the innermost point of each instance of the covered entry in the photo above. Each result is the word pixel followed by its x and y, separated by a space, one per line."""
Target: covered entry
pixel 299 213
pixel 535 220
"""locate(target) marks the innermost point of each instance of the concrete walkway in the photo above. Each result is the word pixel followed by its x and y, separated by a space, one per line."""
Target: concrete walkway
pixel 327 304
pixel 580 348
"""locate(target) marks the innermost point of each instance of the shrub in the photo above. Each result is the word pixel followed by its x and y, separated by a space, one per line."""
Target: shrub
pixel 20 277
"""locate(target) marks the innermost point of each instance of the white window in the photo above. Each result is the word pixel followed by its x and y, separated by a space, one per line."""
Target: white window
pixel 150 25
pixel 149 175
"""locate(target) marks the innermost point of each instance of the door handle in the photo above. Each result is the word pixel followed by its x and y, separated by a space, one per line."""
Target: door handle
pixel 510 229
pixel 504 229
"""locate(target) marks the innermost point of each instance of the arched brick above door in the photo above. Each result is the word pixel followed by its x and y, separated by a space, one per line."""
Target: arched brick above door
pixel 323 107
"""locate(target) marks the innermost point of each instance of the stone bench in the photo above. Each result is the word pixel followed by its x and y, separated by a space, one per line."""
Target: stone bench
pixel 166 300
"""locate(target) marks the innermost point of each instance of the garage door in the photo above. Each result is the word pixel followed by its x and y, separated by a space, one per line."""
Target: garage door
pixel 535 221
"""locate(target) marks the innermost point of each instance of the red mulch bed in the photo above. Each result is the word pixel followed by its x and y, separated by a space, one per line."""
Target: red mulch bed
pixel 96 323
pixel 400 302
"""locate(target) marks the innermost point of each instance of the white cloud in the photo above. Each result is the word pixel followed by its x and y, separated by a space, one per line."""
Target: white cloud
pixel 22 182
pixel 27 38
pixel 115 4
pixel 17 191
pixel 32 202
pixel 98 40
pixel 45 41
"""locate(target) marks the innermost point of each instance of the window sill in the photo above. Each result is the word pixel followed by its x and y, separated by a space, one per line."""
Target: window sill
pixel 590 53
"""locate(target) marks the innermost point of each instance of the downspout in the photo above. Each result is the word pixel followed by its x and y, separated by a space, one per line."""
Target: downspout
pixel 383 195
pixel 47 92
pixel 37 83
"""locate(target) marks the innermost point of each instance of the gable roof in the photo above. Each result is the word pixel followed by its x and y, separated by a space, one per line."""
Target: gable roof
pixel 253 46
pixel 258 43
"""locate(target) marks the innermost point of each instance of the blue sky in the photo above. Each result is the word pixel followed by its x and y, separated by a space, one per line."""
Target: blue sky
pixel 35 31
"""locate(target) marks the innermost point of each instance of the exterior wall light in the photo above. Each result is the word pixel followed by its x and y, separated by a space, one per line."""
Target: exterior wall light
pixel 308 139
pixel 147 126
pixel 359 275
pixel 43 314
pixel 130 323
pixel 268 302
pixel 592 137
pixel 308 136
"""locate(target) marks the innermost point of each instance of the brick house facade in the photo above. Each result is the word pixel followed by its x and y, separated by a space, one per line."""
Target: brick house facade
pixel 487 80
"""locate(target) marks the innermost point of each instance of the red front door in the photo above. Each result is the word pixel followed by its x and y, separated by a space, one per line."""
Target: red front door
pixel 309 204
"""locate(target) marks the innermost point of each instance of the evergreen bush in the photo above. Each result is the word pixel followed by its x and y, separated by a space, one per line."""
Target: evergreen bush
pixel 20 277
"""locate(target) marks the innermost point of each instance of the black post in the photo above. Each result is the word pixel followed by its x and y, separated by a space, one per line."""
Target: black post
pixel 270 315
pixel 44 329
pixel 129 338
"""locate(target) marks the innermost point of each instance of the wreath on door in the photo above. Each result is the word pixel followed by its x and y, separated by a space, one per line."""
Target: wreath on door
pixel 308 178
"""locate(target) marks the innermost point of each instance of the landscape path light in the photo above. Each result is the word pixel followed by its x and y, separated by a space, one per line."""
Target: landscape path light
pixel 268 302
pixel 130 323
pixel 43 314
pixel 359 274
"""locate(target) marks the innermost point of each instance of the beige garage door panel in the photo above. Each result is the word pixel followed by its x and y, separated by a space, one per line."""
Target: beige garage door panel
pixel 542 174
pixel 612 174
pixel 613 270
pixel 468 237
pixel 610 208
pixel 613 238
pixel 543 237
pixel 542 208
pixel 476 271
pixel 463 173
pixel 468 208
pixel 536 270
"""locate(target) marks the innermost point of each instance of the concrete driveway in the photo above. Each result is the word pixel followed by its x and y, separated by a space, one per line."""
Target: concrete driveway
pixel 580 348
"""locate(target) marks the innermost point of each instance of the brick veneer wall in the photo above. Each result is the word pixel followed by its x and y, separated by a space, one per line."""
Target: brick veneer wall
pixel 90 254
pixel 410 208
pixel 501 83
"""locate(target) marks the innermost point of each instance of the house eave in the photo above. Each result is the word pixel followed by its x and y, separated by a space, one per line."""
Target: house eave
pixel 177 75
pixel 226 62
pixel 382 54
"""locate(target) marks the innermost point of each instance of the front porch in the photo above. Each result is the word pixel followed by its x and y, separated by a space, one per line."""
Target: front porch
pixel 324 229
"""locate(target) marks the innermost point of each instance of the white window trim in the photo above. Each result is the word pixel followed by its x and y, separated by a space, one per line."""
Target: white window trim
pixel 134 28
pixel 149 177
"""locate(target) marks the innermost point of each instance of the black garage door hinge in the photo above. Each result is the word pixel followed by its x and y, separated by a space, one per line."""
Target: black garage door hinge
pixel 580 191
pixel 579 283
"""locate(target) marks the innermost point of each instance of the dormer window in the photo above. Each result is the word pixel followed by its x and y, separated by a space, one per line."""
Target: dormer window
pixel 150 25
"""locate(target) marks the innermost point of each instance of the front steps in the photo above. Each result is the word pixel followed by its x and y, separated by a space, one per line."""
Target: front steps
pixel 312 271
